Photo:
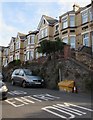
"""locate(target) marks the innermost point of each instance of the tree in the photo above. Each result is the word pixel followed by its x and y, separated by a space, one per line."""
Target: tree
pixel 50 46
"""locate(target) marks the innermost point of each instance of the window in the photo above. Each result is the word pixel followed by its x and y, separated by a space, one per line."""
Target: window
pixel 72 41
pixel 21 72
pixel 43 33
pixel 11 48
pixel 56 28
pixel 64 23
pixel 17 45
pixel 72 21
pixel 85 17
pixel 36 55
pixel 92 41
pixel 29 55
pixel 44 21
pixel 11 58
pixel 32 54
pixel 32 39
pixel 65 40
pixel 17 56
pixel 90 15
pixel 29 40
pixel 86 39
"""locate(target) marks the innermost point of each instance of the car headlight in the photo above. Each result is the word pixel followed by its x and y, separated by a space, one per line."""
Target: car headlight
pixel 42 80
pixel 4 88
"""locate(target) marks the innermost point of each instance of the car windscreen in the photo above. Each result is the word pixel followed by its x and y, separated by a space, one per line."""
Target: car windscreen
pixel 1 84
pixel 27 72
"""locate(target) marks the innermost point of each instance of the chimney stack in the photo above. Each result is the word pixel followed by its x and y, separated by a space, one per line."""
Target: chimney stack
pixel 76 7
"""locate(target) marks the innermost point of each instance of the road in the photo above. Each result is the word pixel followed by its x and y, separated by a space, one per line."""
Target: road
pixel 45 103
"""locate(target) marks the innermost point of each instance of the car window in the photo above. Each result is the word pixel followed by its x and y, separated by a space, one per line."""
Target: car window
pixel 27 72
pixel 1 84
pixel 17 72
pixel 21 73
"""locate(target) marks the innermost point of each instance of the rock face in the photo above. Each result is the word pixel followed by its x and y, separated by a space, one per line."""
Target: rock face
pixel 49 71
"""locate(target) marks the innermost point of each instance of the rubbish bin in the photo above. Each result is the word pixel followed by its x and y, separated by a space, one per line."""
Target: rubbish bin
pixel 66 85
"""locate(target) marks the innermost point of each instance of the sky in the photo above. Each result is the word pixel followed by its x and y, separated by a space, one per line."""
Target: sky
pixel 24 15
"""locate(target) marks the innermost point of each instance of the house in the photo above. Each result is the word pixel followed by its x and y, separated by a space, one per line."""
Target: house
pixel 30 45
pixel 46 28
pixel 1 57
pixel 84 31
pixel 19 46
pixel 5 56
pixel 12 49
pixel 75 27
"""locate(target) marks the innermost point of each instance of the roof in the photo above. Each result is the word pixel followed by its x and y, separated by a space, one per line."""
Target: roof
pixel 12 40
pixel 72 11
pixel 32 33
pixel 21 35
pixel 49 20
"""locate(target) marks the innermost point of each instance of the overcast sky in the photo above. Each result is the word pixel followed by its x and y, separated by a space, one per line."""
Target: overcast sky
pixel 24 15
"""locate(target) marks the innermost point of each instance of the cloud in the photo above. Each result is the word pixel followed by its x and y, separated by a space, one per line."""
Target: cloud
pixel 6 33
pixel 81 3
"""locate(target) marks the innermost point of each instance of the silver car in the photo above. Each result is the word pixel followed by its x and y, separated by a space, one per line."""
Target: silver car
pixel 1 76
pixel 3 90
pixel 25 78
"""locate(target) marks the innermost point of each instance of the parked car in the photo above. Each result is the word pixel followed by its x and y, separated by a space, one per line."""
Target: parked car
pixel 1 76
pixel 25 78
pixel 3 90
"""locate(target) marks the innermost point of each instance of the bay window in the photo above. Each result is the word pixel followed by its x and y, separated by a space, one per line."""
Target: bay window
pixel 72 41
pixel 85 17
pixel 90 14
pixel 64 22
pixel 72 20
pixel 65 40
pixel 17 45
pixel 32 39
pixel 86 39
pixel 43 33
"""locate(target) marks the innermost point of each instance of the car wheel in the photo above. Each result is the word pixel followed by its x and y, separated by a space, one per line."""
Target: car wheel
pixel 13 83
pixel 24 84
pixel 4 98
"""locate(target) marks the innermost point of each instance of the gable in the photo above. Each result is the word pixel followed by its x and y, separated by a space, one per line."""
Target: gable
pixel 43 22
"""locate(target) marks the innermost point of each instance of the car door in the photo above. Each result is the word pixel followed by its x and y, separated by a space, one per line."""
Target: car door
pixel 16 77
pixel 21 76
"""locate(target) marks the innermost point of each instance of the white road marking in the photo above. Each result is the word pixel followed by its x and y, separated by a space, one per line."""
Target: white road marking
pixel 47 109
pixel 13 102
pixel 66 108
pixel 20 101
pixel 34 98
pixel 17 92
pixel 24 100
pixel 46 97
pixel 78 106
pixel 71 108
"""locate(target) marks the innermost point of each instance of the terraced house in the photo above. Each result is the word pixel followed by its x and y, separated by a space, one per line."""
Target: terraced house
pixel 46 28
pixel 5 56
pixel 74 27
pixel 1 57
pixel 30 45
pixel 12 49
pixel 19 46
